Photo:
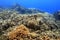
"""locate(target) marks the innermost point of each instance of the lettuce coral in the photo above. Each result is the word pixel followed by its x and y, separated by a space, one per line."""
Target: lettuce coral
pixel 18 33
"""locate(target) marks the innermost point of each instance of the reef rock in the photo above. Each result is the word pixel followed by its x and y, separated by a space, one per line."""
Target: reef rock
pixel 57 15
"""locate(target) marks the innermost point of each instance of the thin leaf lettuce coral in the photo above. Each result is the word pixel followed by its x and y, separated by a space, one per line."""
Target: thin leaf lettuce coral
pixel 18 32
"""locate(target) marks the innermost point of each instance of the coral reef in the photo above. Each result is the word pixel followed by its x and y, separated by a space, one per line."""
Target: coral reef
pixel 18 23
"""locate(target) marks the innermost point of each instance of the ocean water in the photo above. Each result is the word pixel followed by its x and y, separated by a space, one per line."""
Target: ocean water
pixel 45 5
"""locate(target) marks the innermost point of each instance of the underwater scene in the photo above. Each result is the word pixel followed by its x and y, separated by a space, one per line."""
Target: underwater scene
pixel 29 19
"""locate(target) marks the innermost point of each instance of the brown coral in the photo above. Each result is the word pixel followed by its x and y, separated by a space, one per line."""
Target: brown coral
pixel 44 37
pixel 18 33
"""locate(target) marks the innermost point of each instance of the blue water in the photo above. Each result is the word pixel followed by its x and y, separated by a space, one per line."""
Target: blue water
pixel 45 5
